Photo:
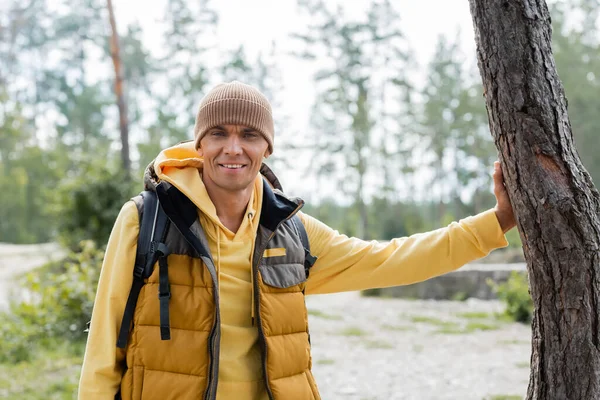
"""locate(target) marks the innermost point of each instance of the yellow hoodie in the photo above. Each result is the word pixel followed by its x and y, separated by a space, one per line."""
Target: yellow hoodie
pixel 343 264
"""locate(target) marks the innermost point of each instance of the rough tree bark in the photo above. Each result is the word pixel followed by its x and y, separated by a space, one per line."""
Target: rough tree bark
pixel 121 104
pixel 554 199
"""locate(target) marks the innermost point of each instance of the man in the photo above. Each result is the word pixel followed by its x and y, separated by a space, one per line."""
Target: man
pixel 238 323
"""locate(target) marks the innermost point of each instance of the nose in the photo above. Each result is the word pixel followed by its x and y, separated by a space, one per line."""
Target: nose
pixel 233 145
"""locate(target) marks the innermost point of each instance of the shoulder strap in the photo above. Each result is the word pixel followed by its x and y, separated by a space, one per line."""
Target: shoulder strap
pixel 153 228
pixel 309 259
pixel 148 225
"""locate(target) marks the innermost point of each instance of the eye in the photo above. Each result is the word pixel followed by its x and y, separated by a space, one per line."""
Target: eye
pixel 217 133
pixel 250 135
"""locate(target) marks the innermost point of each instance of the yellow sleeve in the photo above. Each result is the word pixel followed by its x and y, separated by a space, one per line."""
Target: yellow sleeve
pixel 346 264
pixel 103 361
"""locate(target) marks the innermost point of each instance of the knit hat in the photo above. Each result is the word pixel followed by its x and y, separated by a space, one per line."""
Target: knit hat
pixel 235 103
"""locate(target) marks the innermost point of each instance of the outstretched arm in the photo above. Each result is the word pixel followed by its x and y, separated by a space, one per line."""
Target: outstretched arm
pixel 346 264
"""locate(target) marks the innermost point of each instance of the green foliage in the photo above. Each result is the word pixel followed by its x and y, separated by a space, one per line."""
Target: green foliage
pixel 453 126
pixel 49 375
pixel 354 125
pixel 514 239
pixel 352 331
pixel 514 293
pixel 460 296
pixel 58 306
pixel 87 205
pixel 576 48
pixel 324 315
pixel 23 168
pixel 18 335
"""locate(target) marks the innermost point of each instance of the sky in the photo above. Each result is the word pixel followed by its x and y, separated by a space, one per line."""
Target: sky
pixel 256 24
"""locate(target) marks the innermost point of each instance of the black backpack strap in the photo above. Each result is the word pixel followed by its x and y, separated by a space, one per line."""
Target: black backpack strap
pixel 164 292
pixel 154 224
pixel 309 259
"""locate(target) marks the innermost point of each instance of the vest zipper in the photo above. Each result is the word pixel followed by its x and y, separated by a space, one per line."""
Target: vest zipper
pixel 261 333
pixel 211 391
pixel 214 366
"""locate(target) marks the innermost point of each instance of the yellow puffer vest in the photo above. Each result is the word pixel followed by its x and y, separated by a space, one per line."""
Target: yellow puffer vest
pixel 186 366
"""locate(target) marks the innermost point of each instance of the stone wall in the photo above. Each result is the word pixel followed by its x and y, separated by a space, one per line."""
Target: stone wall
pixel 469 281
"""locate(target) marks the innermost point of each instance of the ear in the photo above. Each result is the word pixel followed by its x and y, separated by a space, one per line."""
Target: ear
pixel 267 153
pixel 200 151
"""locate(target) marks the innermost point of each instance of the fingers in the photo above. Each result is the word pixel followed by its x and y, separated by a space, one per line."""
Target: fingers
pixel 497 169
pixel 498 177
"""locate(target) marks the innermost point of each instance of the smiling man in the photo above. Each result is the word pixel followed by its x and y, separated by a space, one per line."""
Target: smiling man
pixel 235 269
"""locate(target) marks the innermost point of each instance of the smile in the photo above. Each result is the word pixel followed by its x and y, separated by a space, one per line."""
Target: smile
pixel 232 166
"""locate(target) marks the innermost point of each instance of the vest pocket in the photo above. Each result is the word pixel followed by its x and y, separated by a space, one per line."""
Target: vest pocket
pixel 283 275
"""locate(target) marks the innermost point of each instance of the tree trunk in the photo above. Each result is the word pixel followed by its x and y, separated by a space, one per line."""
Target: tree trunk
pixel 554 199
pixel 123 123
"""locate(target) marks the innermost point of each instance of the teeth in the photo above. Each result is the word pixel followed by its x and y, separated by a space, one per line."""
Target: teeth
pixel 234 166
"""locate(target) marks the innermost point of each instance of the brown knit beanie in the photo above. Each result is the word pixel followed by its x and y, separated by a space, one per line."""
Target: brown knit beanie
pixel 238 104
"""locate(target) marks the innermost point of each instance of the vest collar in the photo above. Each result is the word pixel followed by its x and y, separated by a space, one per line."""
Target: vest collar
pixel 276 207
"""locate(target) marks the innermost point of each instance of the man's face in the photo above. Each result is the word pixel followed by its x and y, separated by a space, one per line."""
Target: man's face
pixel 232 155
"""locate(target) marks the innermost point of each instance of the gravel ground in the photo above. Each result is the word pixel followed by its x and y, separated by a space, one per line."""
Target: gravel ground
pixel 374 348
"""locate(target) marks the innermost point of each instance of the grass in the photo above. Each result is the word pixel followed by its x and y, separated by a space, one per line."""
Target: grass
pixel 522 365
pixel 51 375
pixel 475 315
pixel 451 330
pixel 433 321
pixel 454 328
pixel 352 331
pixel 418 348
pixel 460 296
pixel 469 328
pixel 513 341
pixel 378 344
pixel 326 361
pixel 480 326
pixel 503 317
pixel 504 397
pixel 402 328
pixel 323 315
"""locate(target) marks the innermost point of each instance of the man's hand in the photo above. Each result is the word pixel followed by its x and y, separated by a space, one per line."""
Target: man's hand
pixel 503 208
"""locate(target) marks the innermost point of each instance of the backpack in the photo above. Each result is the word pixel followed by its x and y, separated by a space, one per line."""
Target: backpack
pixel 151 248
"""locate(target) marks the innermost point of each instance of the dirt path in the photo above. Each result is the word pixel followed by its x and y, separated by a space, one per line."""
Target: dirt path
pixel 18 259
pixel 373 348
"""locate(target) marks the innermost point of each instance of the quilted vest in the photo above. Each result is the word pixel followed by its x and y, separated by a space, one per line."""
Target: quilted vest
pixel 186 366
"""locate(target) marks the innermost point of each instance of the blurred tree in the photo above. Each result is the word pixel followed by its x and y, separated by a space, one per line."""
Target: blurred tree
pixel 51 105
pixel 26 175
pixel 119 91
pixel 352 125
pixel 453 124
pixel 141 72
pixel 187 41
pixel 86 206
pixel 576 46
